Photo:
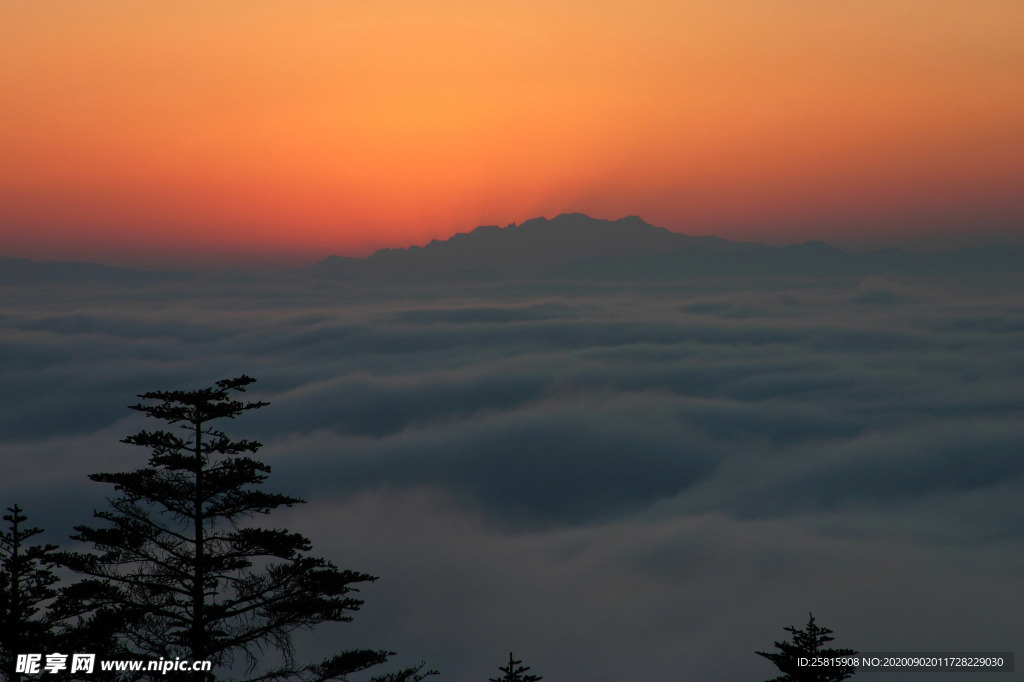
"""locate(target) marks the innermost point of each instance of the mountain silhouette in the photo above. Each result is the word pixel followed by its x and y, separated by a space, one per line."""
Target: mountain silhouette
pixel 22 272
pixel 571 246
pixel 575 246
pixel 535 247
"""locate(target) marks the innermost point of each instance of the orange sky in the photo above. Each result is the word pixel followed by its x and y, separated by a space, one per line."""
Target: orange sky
pixel 195 132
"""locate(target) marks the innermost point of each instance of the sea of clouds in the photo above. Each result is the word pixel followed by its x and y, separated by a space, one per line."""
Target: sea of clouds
pixel 616 483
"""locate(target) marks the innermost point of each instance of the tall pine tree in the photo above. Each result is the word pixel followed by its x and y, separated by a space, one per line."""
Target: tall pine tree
pixel 184 571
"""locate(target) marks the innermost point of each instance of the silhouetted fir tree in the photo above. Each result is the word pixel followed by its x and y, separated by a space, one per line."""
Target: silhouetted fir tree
pixel 183 574
pixel 26 589
pixel 31 618
pixel 514 672
pixel 807 643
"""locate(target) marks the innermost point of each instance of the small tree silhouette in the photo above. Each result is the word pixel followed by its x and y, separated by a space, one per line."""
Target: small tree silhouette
pixel 807 643
pixel 26 585
pixel 32 615
pixel 515 672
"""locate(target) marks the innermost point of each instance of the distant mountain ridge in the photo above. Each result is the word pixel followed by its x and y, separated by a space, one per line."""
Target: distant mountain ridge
pixel 571 246
pixel 537 246
pixel 22 271
pixel 575 246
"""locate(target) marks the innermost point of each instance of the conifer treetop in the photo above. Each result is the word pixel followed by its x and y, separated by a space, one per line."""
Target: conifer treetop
pixel 808 643
pixel 514 672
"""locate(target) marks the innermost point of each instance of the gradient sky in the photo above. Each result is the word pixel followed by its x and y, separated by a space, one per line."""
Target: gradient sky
pixel 248 131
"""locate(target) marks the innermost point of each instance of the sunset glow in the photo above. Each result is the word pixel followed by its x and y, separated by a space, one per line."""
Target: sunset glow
pixel 258 131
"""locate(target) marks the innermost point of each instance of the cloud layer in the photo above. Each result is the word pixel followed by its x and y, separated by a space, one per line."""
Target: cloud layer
pixel 617 483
